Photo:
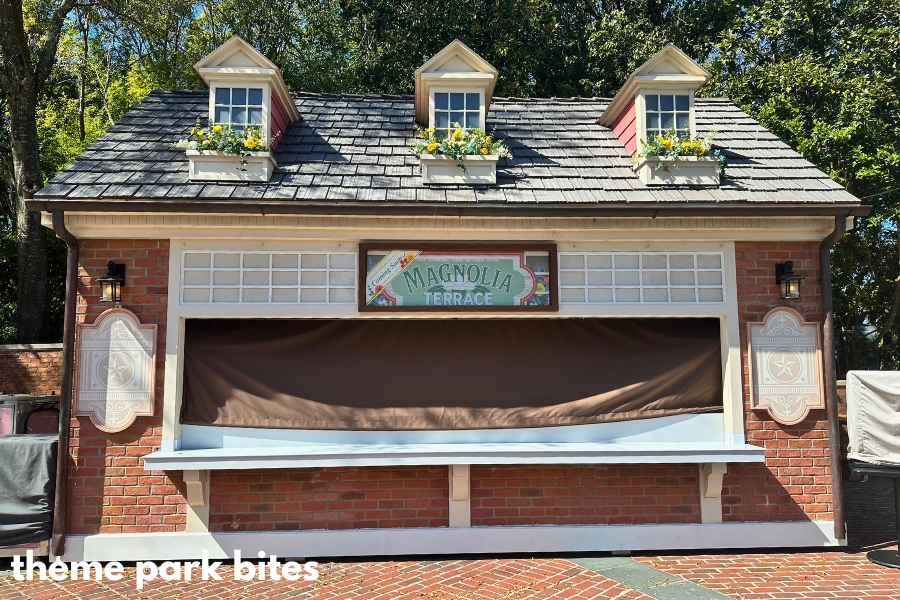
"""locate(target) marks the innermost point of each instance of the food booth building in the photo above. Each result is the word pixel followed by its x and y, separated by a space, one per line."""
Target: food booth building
pixel 338 348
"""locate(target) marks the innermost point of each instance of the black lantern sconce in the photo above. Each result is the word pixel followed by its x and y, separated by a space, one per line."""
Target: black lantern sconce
pixel 111 284
pixel 787 280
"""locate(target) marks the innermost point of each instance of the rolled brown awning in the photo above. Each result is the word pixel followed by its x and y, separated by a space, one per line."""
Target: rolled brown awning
pixel 447 373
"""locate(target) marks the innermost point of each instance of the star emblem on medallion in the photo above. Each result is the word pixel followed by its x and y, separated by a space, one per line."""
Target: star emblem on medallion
pixel 116 369
pixel 785 366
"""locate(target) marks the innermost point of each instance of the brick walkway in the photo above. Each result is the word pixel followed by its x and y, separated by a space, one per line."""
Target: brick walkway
pixel 843 573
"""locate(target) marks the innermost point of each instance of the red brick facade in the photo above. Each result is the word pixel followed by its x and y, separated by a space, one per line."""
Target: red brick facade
pixel 795 483
pixel 584 495
pixel 109 491
pixel 30 371
pixel 339 498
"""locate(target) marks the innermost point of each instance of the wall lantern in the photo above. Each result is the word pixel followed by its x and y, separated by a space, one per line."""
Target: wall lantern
pixel 111 283
pixel 789 282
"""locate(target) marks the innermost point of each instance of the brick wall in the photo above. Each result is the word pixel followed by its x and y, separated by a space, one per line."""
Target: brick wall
pixel 339 498
pixel 109 491
pixel 584 495
pixel 35 370
pixel 795 482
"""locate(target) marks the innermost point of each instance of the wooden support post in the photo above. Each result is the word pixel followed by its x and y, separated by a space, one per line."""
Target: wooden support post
pixel 197 483
pixel 711 475
pixel 460 503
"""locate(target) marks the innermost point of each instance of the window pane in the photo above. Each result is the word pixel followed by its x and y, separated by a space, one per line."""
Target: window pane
pixel 239 96
pixel 440 101
pixel 238 114
pixel 666 103
pixel 457 101
pixel 256 116
pixel 652 102
pixel 255 97
pixel 681 103
pixel 667 120
pixel 223 95
pixel 221 115
pixel 472 102
pixel 472 119
pixel 652 121
pixel 441 120
pixel 683 121
pixel 456 119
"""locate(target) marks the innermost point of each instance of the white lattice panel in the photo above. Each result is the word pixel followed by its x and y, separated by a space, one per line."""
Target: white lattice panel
pixel 641 277
pixel 223 277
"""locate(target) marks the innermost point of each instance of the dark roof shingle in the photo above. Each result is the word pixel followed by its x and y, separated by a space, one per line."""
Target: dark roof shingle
pixel 357 148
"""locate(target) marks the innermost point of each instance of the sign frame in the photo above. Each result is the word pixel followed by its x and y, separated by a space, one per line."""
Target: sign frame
pixel 460 247
pixel 117 332
pixel 800 343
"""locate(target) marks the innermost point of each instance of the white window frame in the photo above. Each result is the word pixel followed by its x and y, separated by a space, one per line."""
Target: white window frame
pixel 177 313
pixel 641 108
pixel 266 101
pixel 482 113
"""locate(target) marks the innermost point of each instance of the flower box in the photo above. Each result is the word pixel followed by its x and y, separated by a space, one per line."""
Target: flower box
pixel 480 169
pixel 215 165
pixel 681 170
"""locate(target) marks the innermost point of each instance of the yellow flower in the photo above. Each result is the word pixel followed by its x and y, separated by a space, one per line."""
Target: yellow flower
pixel 484 150
pixel 251 143
pixel 217 128
pixel 702 151
pixel 201 132
pixel 456 132
pixel 431 147
pixel 487 140
pixel 430 130
pixel 667 144
pixel 193 130
pixel 685 144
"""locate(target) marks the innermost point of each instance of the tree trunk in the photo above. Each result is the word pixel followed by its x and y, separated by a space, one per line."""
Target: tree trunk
pixel 31 243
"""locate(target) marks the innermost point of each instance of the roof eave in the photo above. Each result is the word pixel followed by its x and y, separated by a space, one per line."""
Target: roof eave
pixel 482 209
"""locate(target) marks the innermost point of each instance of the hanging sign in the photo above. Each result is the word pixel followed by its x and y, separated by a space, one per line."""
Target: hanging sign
pixel 785 365
pixel 448 278
pixel 115 370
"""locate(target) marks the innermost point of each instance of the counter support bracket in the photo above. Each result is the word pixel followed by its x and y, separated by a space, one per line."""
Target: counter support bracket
pixel 197 484
pixel 711 475
pixel 460 498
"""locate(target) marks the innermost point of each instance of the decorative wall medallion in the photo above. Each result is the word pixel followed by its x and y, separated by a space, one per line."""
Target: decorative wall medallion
pixel 785 365
pixel 115 370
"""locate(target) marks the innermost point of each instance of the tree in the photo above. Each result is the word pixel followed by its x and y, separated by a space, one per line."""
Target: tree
pixel 822 75
pixel 28 56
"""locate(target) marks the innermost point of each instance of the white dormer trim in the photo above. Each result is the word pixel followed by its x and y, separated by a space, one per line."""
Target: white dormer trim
pixel 669 71
pixel 238 64
pixel 456 66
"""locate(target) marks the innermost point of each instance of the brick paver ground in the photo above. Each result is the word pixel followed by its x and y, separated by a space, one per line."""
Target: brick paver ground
pixel 841 573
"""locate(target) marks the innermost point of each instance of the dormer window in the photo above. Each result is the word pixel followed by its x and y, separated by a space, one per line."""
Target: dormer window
pixel 656 101
pixel 454 86
pixel 245 90
pixel 667 112
pixel 658 97
pixel 239 107
pixel 464 109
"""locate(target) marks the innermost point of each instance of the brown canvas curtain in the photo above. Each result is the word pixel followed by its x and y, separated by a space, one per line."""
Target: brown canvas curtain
pixel 447 374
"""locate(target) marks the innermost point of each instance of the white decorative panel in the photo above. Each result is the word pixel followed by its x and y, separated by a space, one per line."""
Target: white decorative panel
pixel 641 277
pixel 115 372
pixel 785 365
pixel 232 277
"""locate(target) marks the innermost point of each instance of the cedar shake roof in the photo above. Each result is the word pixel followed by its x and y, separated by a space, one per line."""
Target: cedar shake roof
pixel 353 150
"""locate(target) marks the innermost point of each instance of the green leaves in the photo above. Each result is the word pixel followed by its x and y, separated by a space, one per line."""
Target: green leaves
pixel 458 144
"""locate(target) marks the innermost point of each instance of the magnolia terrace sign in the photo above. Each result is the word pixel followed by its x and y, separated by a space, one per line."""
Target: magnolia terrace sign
pixel 453 278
